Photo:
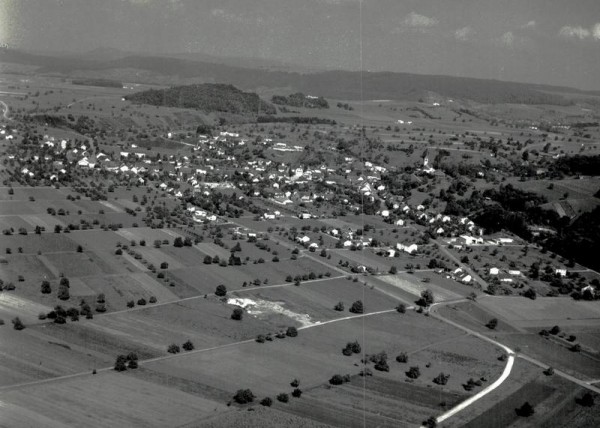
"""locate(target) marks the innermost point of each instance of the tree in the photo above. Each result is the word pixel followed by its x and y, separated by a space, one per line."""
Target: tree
pixel 414 372
pixel 555 330
pixel 79 249
pixel 587 400
pixel 336 380
pixel 492 323
pixel 267 402
pixel 426 298
pixel 18 324
pixel 221 290
pixel 530 293
pixel 173 349
pixel 525 410
pixel 296 393
pixel 401 308
pixel 339 306
pixel 188 346
pixel 207 260
pixel 237 314
pixel 63 292
pixel 357 307
pixel 295 383
pixel 283 397
pixel 431 422
pixel 393 270
pixel 178 242
pixel 441 379
pixel 121 363
pixel 164 265
pixel 45 288
pixel 402 357
pixel 243 396
pixel 291 331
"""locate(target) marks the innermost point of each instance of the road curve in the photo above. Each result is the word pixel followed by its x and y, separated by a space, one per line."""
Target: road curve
pixel 6 109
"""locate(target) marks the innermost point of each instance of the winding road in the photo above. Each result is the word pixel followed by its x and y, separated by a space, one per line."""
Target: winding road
pixel 5 110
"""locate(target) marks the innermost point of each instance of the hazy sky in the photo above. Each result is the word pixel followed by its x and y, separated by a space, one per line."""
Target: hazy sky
pixel 541 41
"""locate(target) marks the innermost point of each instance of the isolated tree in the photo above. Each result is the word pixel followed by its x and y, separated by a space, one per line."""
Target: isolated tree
pixel 357 307
pixel 426 298
pixel 295 383
pixel 178 242
pixel 79 249
pixel 339 306
pixel 414 372
pixel 237 314
pixel 63 292
pixel 296 393
pixel 401 308
pixel 492 323
pixel 587 400
pixel 243 396
pixel 188 346
pixel 221 290
pixel 402 357
pixel 291 331
pixel 283 397
pixel 121 363
pixel 45 288
pixel 18 324
pixel 441 379
pixel 267 402
pixel 336 380
pixel 525 410
pixel 173 349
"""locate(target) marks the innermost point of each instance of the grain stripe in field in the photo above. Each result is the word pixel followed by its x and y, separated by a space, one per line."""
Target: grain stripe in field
pixel 111 206
pixel 153 288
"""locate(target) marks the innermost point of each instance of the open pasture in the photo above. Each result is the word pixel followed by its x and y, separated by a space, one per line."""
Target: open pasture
pixel 107 399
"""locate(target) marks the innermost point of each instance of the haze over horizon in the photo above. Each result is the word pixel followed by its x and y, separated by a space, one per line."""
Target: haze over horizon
pixel 536 41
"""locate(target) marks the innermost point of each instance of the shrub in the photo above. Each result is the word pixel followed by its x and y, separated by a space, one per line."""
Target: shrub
pixel 492 323
pixel 63 293
pixel 260 338
pixel 401 308
pixel 283 397
pixel 173 349
pixel 237 314
pixel 119 252
pixel 430 422
pixel 188 346
pixel 243 396
pixel 221 290
pixel 130 304
pixel 525 410
pixel 587 400
pixel 295 383
pixel 141 301
pixel 336 380
pixel 296 393
pixel 45 288
pixel 339 307
pixel 291 332
pixel 152 299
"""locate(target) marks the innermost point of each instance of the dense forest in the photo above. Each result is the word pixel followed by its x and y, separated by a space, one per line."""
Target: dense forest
pixel 578 164
pixel 206 97
pixel 300 100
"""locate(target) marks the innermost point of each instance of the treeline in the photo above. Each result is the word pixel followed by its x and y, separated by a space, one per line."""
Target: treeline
pixel 300 100
pixel 296 119
pixel 206 97
pixel 106 83
pixel 578 164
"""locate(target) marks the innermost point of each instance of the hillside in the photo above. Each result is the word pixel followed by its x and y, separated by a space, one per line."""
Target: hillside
pixel 329 84
pixel 206 97
pixel 300 100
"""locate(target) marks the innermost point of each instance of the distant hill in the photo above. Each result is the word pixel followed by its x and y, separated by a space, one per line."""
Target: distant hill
pixel 343 85
pixel 207 97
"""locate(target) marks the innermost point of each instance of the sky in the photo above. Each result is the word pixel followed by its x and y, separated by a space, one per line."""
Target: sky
pixel 540 41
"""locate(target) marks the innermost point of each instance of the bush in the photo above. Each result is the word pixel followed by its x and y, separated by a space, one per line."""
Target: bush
pixel 152 299
pixel 173 349
pixel 431 422
pixel 401 308
pixel 243 396
pixel 260 338
pixel 291 332
pixel 339 307
pixel 587 400
pixel 188 346
pixel 141 302
pixel 283 397
pixel 296 393
pixel 221 290
pixel 357 307
pixel 45 288
pixel 441 379
pixel 267 402
pixel 336 380
pixel 492 323
pixel 130 304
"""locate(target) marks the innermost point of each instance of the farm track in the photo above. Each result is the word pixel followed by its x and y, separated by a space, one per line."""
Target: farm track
pixel 5 110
